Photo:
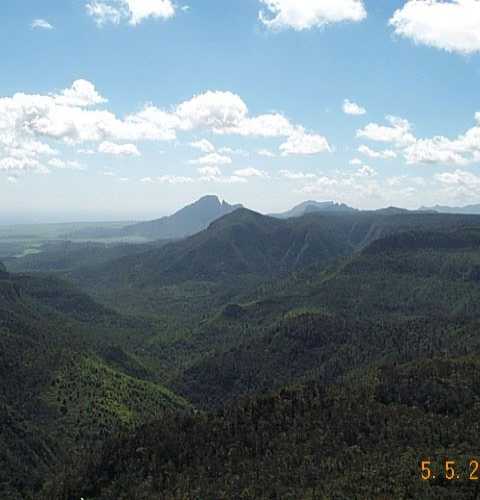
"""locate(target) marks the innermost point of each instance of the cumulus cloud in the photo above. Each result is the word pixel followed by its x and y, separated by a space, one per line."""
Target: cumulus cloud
pixel 82 93
pixel 398 132
pixel 203 145
pixel 77 116
pixel 295 176
pixel 302 143
pixel 174 179
pixel 212 159
pixel 355 161
pixel 387 154
pixel 132 11
pixel 66 164
pixel 251 172
pixel 460 151
pixel 209 171
pixel 41 24
pixel 111 148
pixel 266 152
pixel 366 171
pixel 306 14
pixel 352 108
pixel 459 185
pixel 103 13
pixel 451 25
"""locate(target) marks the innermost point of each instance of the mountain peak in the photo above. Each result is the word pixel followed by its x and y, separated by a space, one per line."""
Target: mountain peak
pixel 311 206
pixel 187 221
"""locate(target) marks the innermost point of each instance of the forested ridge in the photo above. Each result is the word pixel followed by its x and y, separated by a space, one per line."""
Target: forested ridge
pixel 318 357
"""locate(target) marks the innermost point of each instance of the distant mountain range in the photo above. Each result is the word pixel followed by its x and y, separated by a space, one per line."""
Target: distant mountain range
pixel 187 221
pixel 199 215
pixel 469 209
pixel 246 243
pixel 315 206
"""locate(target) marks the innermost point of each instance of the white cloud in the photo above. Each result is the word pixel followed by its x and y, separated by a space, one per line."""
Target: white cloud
pixel 203 145
pixel 387 154
pixel 82 93
pixel 251 172
pixel 302 143
pixel 399 132
pixel 12 179
pixel 451 25
pixel 366 171
pixel 295 176
pixel 231 151
pixel 41 24
pixel 133 11
pixel 143 9
pixel 65 164
pixel 210 171
pixel 268 125
pixel 307 14
pixel 352 108
pixel 174 179
pixel 460 185
pixel 266 152
pixel 460 151
pixel 10 163
pixel 103 13
pixel 213 109
pixel 355 161
pixel 118 149
pixel 77 116
pixel 463 150
pixel 212 159
pixel 232 179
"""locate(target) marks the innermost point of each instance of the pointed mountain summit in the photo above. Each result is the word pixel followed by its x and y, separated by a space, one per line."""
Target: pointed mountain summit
pixel 311 206
pixel 187 221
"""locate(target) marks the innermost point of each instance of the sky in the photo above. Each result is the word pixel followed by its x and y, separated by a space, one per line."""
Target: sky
pixel 130 109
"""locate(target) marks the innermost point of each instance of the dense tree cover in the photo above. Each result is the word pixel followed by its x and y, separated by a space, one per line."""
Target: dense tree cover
pixel 65 381
pixel 373 318
pixel 346 441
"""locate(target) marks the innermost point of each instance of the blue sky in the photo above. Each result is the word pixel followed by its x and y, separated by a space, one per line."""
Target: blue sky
pixel 128 109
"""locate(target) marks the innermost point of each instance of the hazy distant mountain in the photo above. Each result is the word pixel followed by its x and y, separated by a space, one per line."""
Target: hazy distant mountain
pixel 315 206
pixel 469 209
pixel 187 221
pixel 246 243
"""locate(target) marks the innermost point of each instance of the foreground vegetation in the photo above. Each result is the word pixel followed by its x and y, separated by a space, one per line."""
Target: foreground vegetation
pixel 318 357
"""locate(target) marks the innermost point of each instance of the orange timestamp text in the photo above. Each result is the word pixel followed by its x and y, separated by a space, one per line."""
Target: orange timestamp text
pixel 450 470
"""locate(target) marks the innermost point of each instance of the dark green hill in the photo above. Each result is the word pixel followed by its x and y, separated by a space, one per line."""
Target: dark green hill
pixel 363 438
pixel 67 378
pixel 245 243
pixel 241 244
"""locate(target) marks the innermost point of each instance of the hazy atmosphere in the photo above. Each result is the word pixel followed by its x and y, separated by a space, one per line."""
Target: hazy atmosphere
pixel 124 110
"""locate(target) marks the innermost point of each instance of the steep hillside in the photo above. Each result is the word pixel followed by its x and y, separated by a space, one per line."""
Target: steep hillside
pixel 241 244
pixel 364 438
pixel 65 380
